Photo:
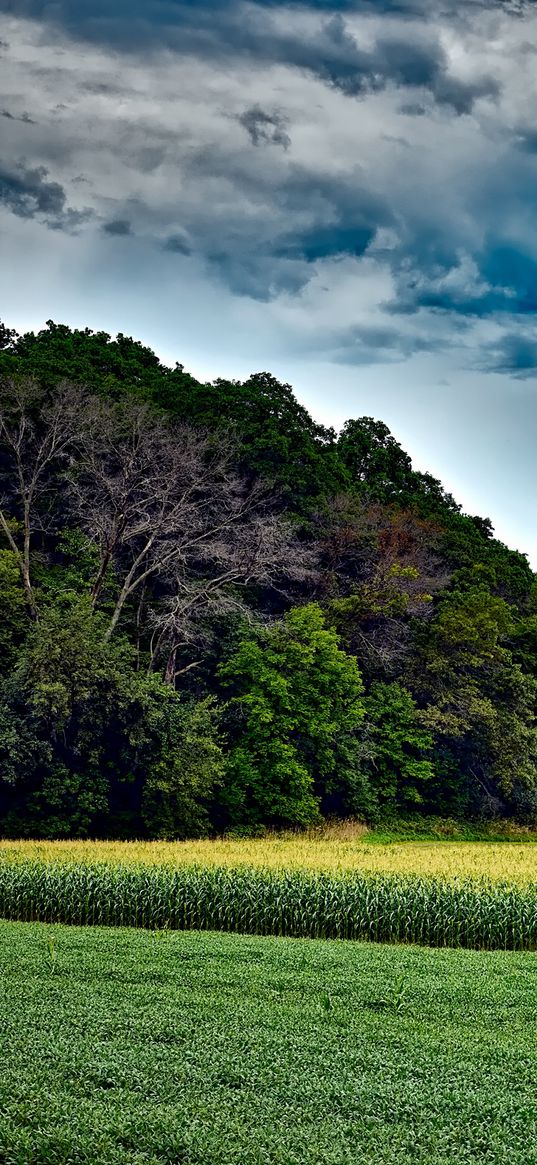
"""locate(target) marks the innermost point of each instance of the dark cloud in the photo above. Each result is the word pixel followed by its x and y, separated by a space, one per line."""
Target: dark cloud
pixel 527 140
pixel 365 345
pixel 101 16
pixel 311 218
pixel 260 222
pixel 462 95
pixel 413 109
pixel 102 88
pixel 217 30
pixel 177 245
pixel 515 355
pixel 417 61
pixel 117 226
pixel 264 128
pixel 25 117
pixel 516 270
pixel 321 242
pixel 28 193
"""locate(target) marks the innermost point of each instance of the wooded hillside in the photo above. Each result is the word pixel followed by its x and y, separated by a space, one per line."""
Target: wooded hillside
pixel 215 613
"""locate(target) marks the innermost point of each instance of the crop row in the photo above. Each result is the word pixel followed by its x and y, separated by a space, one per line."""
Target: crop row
pixel 304 904
pixel 334 854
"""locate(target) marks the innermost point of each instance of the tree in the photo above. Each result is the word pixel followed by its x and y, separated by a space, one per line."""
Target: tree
pixel 12 610
pixel 296 704
pixel 380 568
pixel 400 763
pixel 277 439
pixel 259 553
pixel 478 703
pixel 374 458
pixel 162 545
pixel 164 505
pixel 114 368
pixel 38 434
pixel 164 511
pixel 184 763
pixel 8 337
pixel 107 750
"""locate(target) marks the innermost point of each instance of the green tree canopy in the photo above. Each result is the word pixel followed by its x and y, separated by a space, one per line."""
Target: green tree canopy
pixel 107 750
pixel 296 701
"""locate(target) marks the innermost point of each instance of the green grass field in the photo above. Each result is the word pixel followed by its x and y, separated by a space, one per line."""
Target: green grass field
pixel 123 1047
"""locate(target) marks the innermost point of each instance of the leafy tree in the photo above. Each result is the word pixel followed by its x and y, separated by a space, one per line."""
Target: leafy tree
pixel 12 610
pixel 113 367
pixel 381 570
pixel 108 750
pixel 479 704
pixel 374 458
pixel 296 703
pixel 8 337
pixel 379 466
pixel 183 762
pixel 468 629
pixel 523 643
pixel 277 438
pixel 400 758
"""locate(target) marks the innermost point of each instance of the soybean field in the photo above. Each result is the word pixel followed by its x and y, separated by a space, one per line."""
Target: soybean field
pixel 149 1048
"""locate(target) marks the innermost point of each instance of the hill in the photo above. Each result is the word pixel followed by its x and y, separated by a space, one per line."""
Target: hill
pixel 217 614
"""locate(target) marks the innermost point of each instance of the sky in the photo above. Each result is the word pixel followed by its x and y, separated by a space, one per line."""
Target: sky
pixel 343 194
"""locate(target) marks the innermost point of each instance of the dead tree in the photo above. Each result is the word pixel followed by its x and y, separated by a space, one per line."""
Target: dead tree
pixel 165 503
pixel 38 436
pixel 261 550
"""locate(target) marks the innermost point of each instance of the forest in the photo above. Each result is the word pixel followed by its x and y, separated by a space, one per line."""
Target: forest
pixel 217 615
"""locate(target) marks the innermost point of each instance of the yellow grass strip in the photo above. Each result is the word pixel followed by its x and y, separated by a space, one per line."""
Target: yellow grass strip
pixel 513 862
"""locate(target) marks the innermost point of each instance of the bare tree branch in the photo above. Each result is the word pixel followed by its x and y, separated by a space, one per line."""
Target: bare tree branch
pixel 163 503
pixel 38 434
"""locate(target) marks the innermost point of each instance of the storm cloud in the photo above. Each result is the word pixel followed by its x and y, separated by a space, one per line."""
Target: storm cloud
pixel 341 191
pixel 390 148
pixel 29 193
pixel 264 128
pixel 322 39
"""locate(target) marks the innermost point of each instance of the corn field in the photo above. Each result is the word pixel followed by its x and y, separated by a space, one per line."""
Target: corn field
pixel 502 861
pixel 297 903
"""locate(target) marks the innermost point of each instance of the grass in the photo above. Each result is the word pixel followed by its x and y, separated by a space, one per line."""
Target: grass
pixel 135 1048
pixel 342 849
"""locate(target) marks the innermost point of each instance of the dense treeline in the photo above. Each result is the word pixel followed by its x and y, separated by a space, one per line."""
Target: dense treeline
pixel 215 613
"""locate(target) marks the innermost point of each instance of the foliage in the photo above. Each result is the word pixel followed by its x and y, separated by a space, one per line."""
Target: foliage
pixel 277 437
pixel 388 655
pixel 296 702
pixel 400 748
pixel 182 775
pixel 378 465
pixel 12 610
pixel 377 1054
pixel 480 706
pixel 106 749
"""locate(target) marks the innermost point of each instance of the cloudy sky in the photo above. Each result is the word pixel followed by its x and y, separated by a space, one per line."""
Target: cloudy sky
pixel 342 193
